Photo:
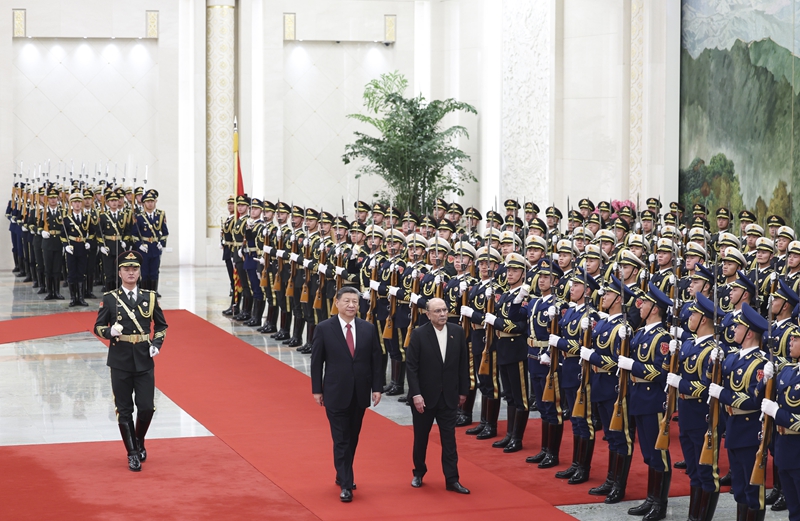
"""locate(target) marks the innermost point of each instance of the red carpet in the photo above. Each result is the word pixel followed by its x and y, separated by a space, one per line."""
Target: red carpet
pixel 21 329
pixel 187 478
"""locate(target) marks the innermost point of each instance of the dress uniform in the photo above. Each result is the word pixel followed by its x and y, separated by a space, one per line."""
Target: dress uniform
pixel 249 252
pixel 741 373
pixel 481 299
pixel 433 282
pixel 78 230
pixel 150 235
pixel 541 312
pixel 93 215
pixel 569 342
pixel 647 377
pixel 113 235
pixel 664 278
pixel 238 231
pixel 265 242
pixel 296 275
pixel 307 265
pixel 390 270
pixel 281 270
pixel 125 318
pixel 226 243
pixel 52 245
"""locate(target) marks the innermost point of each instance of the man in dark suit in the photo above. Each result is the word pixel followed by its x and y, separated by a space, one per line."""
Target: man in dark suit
pixel 345 367
pixel 438 381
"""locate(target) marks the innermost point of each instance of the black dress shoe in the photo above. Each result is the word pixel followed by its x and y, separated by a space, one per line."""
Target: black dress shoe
pixel 294 342
pixel 463 420
pixel 417 482
pixel 306 349
pixel 457 487
pixel 724 481
pixel 779 505
pixel 134 465
pixel 682 465
pixel 346 496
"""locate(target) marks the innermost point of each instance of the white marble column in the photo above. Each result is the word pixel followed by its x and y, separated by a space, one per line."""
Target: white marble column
pixel 219 107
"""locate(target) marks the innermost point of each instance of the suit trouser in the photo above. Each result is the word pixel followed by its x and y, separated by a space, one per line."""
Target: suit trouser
pixel 446 420
pixel 345 429
pixel 124 384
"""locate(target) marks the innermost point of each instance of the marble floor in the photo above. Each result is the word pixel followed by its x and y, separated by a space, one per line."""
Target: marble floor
pixel 57 390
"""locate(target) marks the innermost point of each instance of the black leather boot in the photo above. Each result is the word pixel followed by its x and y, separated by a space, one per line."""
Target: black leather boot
pixel 724 481
pixel 57 289
pixel 88 293
pixel 708 505
pixel 617 493
pixel 538 458
pixel 501 444
pixel 492 413
pixel 36 278
pixel 392 384
pixel 397 386
pixel 465 413
pixel 775 493
pixel 297 334
pixel 520 424
pixel 233 309
pixel 28 277
pixel 79 293
pixel 645 507
pixel 51 288
pixel 127 431
pixel 42 283
pixel 755 515
pixel 73 297
pixel 306 349
pixel 608 484
pixel 270 321
pixel 554 446
pixel 247 306
pixel 576 453
pixel 283 331
pixel 478 428
pixel 142 424
pixel 661 496
pixel 694 503
pixel 155 287
pixel 258 310
pixel 16 265
pixel 585 463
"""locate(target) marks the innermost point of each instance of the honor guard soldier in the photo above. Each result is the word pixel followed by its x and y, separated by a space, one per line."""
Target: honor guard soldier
pixel 324 290
pixel 483 367
pixel 664 277
pixel 745 217
pixel 607 338
pixel 694 256
pixel 654 205
pixel 378 214
pixel 409 222
pixel 763 271
pixel 724 218
pixel 474 219
pixel 732 262
pixel 741 373
pixel 226 243
pixel 531 211
pixel 572 378
pixel 784 236
pixel 440 207
pixel 338 257
pixel 362 211
pixel 427 227
pixel 265 243
pixel 510 324
pixel 647 378
pixel 691 384
pixel 773 223
pixel 567 253
pixel 52 245
pixel 785 409
pixel 621 230
pixel 126 317
pixel 242 312
pixel 582 236
pixel 791 273
pixel 513 224
pixel 512 208
pixel 114 236
pixel 535 248
pixel 454 213
pixel 433 282
pixel 307 263
pixel 36 229
pixel 574 219
pixel 150 235
pixel 389 273
pixel 553 216
pixel 282 270
pixel 296 275
pixel 604 210
pixel 629 266
pixel 741 291
pixel 94 222
pixel 626 214
pixel 493 220
pixel 649 227
pixel 249 252
pixel 594 223
pixel 375 256
pixel 77 229
pixel 586 207
pixel 538 228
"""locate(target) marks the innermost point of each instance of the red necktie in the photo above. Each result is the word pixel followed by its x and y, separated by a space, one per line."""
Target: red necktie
pixel 350 343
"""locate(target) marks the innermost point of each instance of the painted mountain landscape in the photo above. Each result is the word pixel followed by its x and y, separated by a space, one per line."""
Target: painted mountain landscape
pixel 740 105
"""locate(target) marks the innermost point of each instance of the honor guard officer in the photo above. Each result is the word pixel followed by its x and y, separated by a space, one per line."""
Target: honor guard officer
pixel 724 218
pixel 282 269
pixel 574 219
pixel 390 270
pixel 566 260
pixel 474 219
pixel 308 279
pixel 150 235
pixel 77 229
pixel 773 223
pixel 512 208
pixel 531 211
pixel 732 261
pixel 649 350
pixel 409 222
pixel 493 220
pixel 554 216
pixel 509 321
pixel 91 262
pixel 607 337
pixel 535 248
pixel 375 236
pixel 604 209
pixel 440 207
pixel 378 215
pixel 433 282
pixel 113 235
pixel 126 317
pixel 266 252
pixel 52 245
pixel 362 211
pixel 629 266
pixel 785 409
pixel 481 300
pixel 741 373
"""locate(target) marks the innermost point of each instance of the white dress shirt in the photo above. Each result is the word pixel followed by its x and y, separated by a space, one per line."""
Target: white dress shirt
pixel 344 329
pixel 441 336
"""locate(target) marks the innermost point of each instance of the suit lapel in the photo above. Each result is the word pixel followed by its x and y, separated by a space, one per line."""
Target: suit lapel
pixel 339 334
pixel 433 340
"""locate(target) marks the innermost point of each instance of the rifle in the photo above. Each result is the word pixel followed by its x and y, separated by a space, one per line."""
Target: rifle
pixel 323 259
pixel 373 298
pixel 388 329
pixel 414 313
pixel 304 294
pixel 582 397
pixel 759 475
pixel 292 271
pixel 620 410
pixel 484 369
pixel 709 454
pixel 552 391
pixel 277 284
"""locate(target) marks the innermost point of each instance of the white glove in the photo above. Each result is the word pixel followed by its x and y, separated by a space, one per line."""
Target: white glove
pixel 294 257
pixel 673 380
pixel 553 341
pixel 652 257
pixel 292 238
pixel 715 353
pixel 437 279
pixel 306 263
pixel 160 248
pixel 250 222
pixel 122 243
pixel 551 311
pixel 354 254
pixel 340 270
pixel 278 233
pixel 365 295
pixel 414 298
pixel 467 311
pixel 677 331
pixel 144 248
pixel 116 330
pixel 544 359
pixel 490 318
pixel 337 250
pixel 104 250
pixel 625 363
pixel 462 287
pixel 769 370
pixel 374 285
pixel 585 323
pixel 393 290
pixel 69 249
pixel 673 346
pixel 372 263
pixel 602 314
pixel 637 226
pixel 643 274
pixel 488 293
pixel 414 274
pixel 153 351
pixel 279 253
pixel 88 246
pixel 586 353
pixel 322 269
pixel 714 390
pixel 45 235
pixel 623 332
pixel 321 246
pixel 773 276
pixel 268 250
pixel 672 279
pixel 261 261
pixel 306 242
pixel 265 231
pixel 241 253
pixel 524 290
pixel 769 407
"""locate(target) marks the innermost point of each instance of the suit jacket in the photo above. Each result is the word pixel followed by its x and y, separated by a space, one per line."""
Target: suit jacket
pixel 431 377
pixel 337 375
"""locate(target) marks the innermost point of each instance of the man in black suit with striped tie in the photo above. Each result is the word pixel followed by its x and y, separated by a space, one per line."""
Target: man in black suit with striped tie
pixel 345 367
pixel 437 368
